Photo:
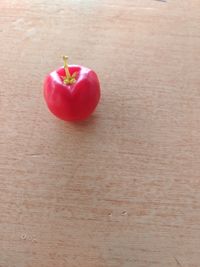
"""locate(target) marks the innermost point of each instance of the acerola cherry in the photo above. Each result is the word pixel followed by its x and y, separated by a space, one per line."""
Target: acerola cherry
pixel 72 92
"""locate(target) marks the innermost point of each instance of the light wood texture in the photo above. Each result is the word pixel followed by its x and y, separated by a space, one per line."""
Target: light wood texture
pixel 123 188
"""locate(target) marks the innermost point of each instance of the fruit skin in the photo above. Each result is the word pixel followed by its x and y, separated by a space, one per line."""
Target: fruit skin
pixel 72 102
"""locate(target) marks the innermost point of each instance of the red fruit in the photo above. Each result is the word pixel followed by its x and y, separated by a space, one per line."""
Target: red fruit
pixel 72 93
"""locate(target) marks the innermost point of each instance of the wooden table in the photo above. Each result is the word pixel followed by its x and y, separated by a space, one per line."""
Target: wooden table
pixel 121 189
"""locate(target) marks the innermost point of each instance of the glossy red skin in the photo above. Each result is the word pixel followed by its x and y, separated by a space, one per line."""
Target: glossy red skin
pixel 73 102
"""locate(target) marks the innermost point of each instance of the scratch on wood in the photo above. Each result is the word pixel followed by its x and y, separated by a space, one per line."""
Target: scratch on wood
pixel 178 263
pixel 35 155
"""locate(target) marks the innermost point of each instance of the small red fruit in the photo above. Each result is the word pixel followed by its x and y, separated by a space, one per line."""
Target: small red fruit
pixel 72 92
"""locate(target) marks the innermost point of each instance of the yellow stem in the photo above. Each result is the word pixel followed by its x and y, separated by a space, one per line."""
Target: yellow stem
pixel 68 79
pixel 65 58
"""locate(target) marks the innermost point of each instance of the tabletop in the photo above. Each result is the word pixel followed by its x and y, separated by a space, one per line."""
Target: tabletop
pixel 121 189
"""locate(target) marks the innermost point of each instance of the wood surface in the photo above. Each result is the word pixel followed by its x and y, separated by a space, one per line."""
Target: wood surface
pixel 121 189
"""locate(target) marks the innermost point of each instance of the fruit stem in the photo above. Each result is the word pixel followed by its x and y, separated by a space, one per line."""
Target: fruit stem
pixel 65 58
pixel 68 78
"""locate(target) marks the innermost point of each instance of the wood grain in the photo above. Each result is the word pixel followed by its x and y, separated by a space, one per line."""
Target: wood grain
pixel 123 188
